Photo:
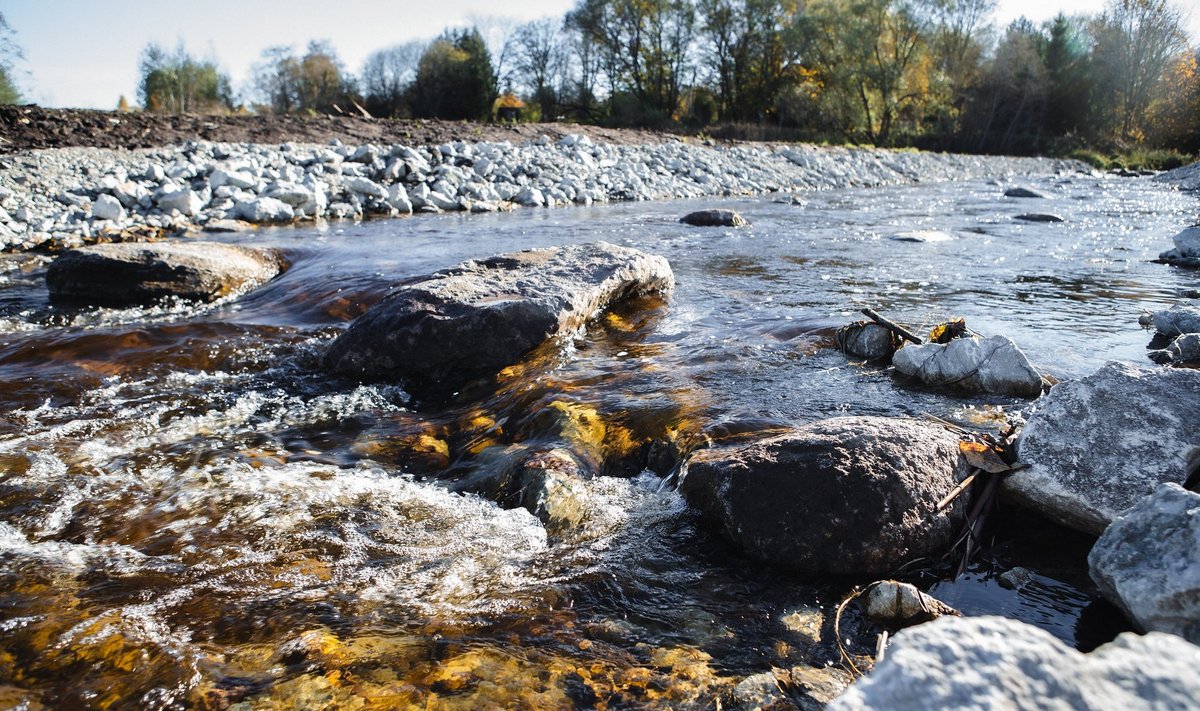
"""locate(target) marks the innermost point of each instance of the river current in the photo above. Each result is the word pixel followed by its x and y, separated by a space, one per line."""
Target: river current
pixel 194 515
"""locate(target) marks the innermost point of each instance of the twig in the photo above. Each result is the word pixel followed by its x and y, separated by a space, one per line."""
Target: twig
pixel 837 632
pixel 956 492
pixel 881 646
pixel 975 521
pixel 892 326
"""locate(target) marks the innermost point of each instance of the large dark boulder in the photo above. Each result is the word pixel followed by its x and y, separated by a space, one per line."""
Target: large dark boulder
pixel 850 495
pixel 141 273
pixel 483 315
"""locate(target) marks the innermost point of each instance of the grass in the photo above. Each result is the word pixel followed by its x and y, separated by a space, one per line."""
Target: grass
pixel 1135 159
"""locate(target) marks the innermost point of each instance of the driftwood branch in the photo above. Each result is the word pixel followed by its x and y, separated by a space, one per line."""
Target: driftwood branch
pixel 892 326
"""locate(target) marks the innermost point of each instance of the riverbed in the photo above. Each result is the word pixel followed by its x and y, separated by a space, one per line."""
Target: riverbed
pixel 194 514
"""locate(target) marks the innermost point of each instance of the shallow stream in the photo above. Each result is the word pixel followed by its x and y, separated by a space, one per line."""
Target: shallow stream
pixel 193 514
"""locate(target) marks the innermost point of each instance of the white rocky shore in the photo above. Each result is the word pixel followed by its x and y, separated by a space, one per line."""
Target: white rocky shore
pixel 66 197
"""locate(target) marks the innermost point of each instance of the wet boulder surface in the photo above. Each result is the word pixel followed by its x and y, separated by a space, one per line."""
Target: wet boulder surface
pixel 476 318
pixel 849 495
pixel 128 274
pixel 1096 446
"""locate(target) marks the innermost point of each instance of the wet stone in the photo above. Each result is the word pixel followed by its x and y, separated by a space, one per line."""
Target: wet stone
pixel 1039 217
pixel 849 495
pixel 483 315
pixel 131 273
pixel 714 218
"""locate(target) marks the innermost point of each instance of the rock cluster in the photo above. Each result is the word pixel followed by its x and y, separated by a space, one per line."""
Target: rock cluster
pixel 1180 323
pixel 1186 252
pixel 67 197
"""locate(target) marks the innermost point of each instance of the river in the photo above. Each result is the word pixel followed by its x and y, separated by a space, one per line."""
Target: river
pixel 193 514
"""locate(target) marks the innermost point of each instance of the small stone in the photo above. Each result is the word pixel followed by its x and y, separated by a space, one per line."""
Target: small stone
pixel 108 207
pixel 1039 217
pixel 714 218
pixel 1022 193
pixel 187 202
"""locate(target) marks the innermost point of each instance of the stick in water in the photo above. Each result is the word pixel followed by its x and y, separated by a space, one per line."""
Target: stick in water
pixel 892 326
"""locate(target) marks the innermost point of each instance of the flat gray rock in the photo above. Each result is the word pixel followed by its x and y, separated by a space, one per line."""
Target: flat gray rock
pixel 714 218
pixel 1096 446
pixel 849 495
pixel 483 315
pixel 1022 193
pixel 141 273
pixel 997 663
pixel 1148 562
pixel 1039 217
pixel 971 365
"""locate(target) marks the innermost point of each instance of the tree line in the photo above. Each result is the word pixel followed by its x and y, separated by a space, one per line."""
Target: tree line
pixel 927 73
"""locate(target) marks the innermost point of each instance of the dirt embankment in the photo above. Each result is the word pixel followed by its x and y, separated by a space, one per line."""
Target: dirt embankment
pixel 25 127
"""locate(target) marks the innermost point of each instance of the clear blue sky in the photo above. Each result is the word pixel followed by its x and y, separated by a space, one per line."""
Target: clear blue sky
pixel 84 53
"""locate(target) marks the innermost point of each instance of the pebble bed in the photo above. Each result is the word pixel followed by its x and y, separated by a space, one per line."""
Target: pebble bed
pixel 67 197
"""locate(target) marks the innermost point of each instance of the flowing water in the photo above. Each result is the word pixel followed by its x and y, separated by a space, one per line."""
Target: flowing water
pixel 193 514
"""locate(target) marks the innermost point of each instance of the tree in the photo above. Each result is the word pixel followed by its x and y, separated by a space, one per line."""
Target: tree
pixel 539 57
pixel 749 52
pixel 454 79
pixel 1068 71
pixel 175 82
pixel 1007 107
pixel 869 55
pixel 645 50
pixel 386 76
pixel 1136 40
pixel 313 83
pixel 9 52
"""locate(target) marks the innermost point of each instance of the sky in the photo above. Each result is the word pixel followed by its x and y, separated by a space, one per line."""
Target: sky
pixel 84 53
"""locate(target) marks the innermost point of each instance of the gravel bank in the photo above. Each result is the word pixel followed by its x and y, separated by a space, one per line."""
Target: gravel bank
pixel 60 198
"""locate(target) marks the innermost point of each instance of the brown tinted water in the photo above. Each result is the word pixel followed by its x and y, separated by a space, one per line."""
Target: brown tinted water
pixel 193 514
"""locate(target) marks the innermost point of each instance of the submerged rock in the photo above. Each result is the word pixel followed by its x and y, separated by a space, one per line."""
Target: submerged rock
pixel 997 663
pixel 800 688
pixel 852 495
pixel 1098 445
pixel 923 236
pixel 1022 193
pixel 140 273
pixel 971 365
pixel 1148 562
pixel 475 318
pixel 1039 217
pixel 714 218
